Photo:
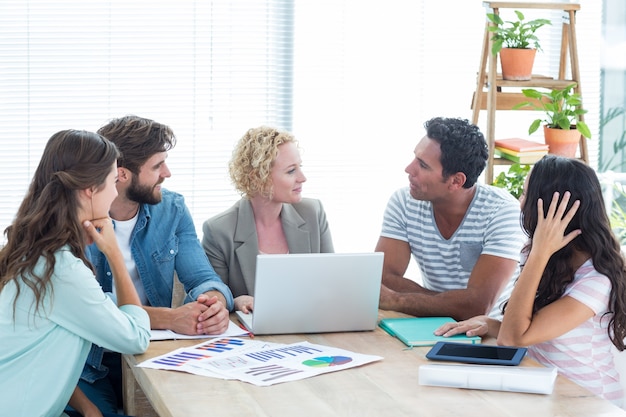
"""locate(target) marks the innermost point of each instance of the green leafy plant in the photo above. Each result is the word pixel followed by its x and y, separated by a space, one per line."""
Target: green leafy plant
pixel 615 160
pixel 618 214
pixel 562 108
pixel 513 179
pixel 518 34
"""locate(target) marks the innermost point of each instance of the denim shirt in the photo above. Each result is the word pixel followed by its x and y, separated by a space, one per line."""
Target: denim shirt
pixel 164 240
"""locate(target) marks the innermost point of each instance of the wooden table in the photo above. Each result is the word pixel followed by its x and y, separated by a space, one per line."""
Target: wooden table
pixel 384 388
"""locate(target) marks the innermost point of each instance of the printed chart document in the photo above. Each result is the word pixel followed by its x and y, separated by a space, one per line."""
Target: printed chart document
pixel 232 331
pixel 258 362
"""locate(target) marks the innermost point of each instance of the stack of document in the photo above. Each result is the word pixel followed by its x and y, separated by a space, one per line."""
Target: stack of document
pixel 519 150
pixel 232 331
pixel 534 380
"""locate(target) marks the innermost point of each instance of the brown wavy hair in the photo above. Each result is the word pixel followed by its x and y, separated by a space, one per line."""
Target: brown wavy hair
pixel 137 138
pixel 551 174
pixel 48 216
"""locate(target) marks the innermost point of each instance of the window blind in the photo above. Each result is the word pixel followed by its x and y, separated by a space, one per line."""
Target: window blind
pixel 208 69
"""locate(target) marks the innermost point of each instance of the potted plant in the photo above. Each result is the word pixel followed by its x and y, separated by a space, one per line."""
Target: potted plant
pixel 563 127
pixel 513 179
pixel 517 44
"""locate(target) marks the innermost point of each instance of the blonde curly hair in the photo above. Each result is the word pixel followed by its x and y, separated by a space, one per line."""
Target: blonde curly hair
pixel 253 158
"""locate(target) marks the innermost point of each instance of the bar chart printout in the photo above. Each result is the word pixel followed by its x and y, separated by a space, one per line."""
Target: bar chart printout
pixel 257 362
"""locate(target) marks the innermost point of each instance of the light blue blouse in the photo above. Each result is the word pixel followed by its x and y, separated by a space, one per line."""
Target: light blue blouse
pixel 42 353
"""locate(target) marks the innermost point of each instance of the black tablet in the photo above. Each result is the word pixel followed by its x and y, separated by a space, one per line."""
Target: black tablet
pixel 480 354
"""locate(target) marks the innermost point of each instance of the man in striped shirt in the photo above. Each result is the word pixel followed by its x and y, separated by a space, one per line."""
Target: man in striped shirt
pixel 465 236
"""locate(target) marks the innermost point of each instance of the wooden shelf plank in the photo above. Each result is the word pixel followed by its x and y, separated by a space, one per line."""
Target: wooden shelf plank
pixel 537 81
pixel 505 101
pixel 554 5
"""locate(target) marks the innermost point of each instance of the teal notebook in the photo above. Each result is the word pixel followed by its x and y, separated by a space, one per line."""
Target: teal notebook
pixel 419 331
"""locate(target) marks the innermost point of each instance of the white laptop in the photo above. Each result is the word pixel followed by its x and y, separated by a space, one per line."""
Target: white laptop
pixel 315 293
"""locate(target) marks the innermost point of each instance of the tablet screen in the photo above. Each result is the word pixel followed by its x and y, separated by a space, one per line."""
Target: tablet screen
pixel 478 351
pixel 481 354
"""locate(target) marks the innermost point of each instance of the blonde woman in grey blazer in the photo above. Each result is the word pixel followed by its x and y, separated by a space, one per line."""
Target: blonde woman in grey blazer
pixel 271 217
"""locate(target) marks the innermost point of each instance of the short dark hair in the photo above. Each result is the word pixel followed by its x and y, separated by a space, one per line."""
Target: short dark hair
pixel 463 147
pixel 137 139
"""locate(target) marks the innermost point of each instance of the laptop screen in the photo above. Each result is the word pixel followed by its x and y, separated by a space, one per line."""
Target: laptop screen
pixel 314 293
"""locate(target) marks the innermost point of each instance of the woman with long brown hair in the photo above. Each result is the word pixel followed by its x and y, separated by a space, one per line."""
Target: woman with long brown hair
pixel 51 306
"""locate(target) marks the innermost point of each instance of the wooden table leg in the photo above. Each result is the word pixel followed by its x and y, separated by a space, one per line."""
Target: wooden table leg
pixel 135 402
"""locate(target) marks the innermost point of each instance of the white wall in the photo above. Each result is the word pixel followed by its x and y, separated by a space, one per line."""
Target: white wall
pixel 368 74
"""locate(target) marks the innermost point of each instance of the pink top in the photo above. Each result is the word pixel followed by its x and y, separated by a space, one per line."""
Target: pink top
pixel 584 354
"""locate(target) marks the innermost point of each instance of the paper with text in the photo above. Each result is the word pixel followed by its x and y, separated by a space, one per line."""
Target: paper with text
pixel 232 331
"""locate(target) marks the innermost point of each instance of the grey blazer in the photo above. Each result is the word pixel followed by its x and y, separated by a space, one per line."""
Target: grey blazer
pixel 230 240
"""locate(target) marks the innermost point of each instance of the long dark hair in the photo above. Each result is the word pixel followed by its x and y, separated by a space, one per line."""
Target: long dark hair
pixel 48 217
pixel 560 174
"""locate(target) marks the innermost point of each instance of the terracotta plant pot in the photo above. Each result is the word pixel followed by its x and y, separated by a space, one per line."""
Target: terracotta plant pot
pixel 517 64
pixel 562 142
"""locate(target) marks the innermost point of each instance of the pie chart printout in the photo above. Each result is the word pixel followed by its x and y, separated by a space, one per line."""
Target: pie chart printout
pixel 324 361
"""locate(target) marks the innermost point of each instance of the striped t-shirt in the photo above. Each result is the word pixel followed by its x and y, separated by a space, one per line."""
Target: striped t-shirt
pixel 584 354
pixel 491 227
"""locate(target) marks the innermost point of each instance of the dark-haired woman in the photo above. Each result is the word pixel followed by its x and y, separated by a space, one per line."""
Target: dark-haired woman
pixel 569 303
pixel 51 306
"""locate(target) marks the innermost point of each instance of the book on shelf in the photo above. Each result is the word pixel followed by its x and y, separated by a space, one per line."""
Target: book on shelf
pixel 521 157
pixel 419 331
pixel 525 153
pixel 521 145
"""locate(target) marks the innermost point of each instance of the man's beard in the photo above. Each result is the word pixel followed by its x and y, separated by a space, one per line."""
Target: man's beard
pixel 142 194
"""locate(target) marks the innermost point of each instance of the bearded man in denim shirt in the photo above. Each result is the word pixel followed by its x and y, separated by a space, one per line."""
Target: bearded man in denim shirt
pixel 157 236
